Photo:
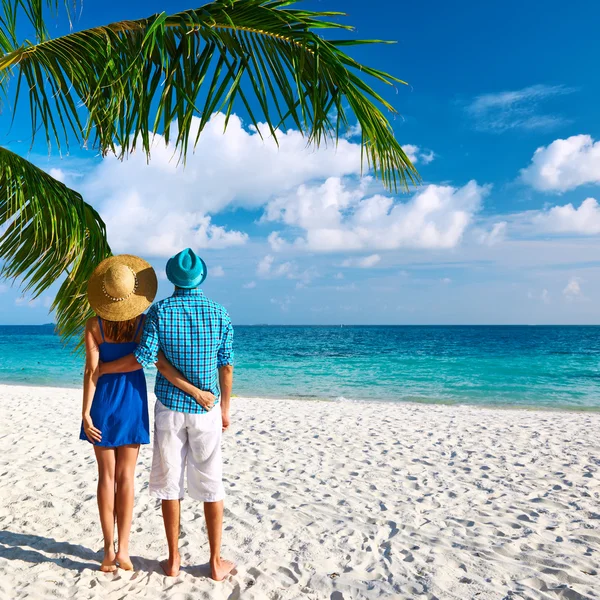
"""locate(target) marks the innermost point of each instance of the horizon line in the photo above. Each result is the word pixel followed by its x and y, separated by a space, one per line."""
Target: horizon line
pixel 342 325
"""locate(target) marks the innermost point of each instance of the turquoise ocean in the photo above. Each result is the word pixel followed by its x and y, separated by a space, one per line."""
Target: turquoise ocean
pixel 556 367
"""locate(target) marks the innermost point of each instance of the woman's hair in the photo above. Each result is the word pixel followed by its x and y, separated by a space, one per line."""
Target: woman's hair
pixel 120 331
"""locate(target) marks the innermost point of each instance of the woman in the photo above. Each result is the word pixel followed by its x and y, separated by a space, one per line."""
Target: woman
pixel 115 407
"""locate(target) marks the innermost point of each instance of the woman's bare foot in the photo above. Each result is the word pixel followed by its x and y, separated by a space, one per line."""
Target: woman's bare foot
pixel 124 562
pixel 108 563
pixel 171 566
pixel 220 569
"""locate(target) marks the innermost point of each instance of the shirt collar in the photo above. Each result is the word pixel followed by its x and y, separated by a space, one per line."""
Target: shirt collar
pixel 187 292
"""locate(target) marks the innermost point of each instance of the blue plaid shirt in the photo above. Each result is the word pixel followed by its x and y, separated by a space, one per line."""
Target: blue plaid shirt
pixel 196 336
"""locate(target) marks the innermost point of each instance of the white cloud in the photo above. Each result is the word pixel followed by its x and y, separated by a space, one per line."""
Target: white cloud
pixel 283 303
pixel 572 290
pixel 339 276
pixel 159 208
pixel 310 206
pixel 265 264
pixel 363 263
pixel 153 225
pixel 564 165
pixel 518 109
pixel 43 301
pixel 58 174
pixel 276 242
pixel 268 269
pixel 446 280
pixel 545 296
pixel 568 219
pixel 416 154
pixel 495 235
pixel 27 302
pixel 353 131
pixel 349 287
pixel 250 285
pixel 217 271
pixel 338 217
pixel 427 157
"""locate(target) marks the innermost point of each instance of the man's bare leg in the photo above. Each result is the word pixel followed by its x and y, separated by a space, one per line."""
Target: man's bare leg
pixel 171 510
pixel 106 504
pixel 213 513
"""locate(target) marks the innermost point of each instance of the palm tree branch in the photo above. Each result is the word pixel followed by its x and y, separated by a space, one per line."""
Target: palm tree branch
pixel 46 229
pixel 119 85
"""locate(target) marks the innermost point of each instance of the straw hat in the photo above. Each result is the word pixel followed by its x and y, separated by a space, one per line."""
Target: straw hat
pixel 122 287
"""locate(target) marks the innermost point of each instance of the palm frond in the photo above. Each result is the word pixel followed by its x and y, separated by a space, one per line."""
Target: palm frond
pixel 47 230
pixel 116 86
pixel 35 12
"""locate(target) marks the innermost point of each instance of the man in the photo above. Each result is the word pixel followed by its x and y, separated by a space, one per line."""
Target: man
pixel 195 335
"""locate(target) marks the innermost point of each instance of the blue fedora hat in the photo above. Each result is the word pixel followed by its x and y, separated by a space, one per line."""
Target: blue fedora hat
pixel 186 269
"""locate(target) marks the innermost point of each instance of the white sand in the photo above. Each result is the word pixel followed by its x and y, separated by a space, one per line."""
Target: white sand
pixel 325 500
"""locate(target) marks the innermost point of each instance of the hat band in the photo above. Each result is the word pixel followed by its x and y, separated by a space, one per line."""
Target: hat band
pixel 133 291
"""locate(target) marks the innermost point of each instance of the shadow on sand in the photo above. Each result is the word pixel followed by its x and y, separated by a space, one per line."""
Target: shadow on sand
pixel 37 549
pixel 21 546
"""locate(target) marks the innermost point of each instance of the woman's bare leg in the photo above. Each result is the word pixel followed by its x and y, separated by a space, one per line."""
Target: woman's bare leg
pixel 106 503
pixel 125 471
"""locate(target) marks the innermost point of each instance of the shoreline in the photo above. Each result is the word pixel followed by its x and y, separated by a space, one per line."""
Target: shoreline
pixel 492 406
pixel 324 500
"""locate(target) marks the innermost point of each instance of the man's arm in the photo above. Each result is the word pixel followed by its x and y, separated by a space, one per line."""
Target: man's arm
pixel 169 372
pixel 225 366
pixel 225 383
pixel 121 365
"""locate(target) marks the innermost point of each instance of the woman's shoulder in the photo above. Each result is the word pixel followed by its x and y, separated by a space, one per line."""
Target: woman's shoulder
pixel 92 323
pixel 93 326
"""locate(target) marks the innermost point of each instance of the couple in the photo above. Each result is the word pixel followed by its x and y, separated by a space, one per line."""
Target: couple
pixel 190 339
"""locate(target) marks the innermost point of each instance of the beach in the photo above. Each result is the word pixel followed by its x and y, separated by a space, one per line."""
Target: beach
pixel 333 500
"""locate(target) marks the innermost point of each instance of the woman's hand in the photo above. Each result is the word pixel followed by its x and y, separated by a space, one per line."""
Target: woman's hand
pixel 93 434
pixel 205 399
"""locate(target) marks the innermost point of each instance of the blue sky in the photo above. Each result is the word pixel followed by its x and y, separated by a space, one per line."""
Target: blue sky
pixel 501 117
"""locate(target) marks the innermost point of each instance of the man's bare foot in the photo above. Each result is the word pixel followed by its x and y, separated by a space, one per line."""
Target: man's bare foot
pixel 108 563
pixel 122 559
pixel 171 566
pixel 220 569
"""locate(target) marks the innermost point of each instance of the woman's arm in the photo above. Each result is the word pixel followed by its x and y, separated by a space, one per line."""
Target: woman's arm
pixel 90 378
pixel 169 372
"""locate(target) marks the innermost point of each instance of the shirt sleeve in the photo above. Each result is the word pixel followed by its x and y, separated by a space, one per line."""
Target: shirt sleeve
pixel 147 351
pixel 225 353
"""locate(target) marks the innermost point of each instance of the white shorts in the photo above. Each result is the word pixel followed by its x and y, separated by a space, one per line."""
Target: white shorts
pixel 194 440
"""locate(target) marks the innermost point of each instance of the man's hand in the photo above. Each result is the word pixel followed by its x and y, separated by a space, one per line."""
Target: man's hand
pixel 225 418
pixel 205 399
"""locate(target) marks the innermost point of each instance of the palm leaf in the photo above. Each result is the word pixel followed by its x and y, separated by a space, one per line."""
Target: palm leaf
pixel 116 86
pixel 46 230
pixel 35 12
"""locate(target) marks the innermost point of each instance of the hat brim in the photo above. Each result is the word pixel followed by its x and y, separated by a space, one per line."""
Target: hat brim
pixel 137 303
pixel 186 284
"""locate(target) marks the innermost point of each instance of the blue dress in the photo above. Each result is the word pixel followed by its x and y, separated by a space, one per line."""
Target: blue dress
pixel 120 405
